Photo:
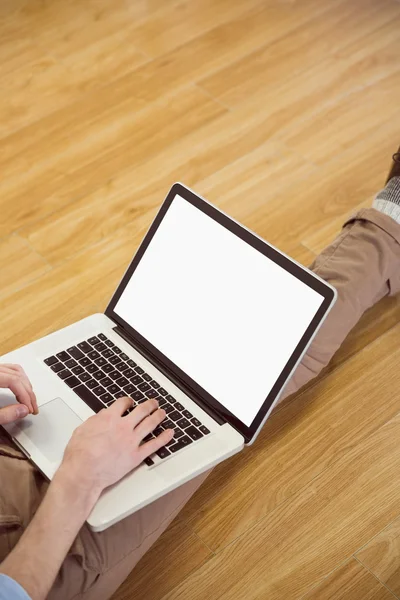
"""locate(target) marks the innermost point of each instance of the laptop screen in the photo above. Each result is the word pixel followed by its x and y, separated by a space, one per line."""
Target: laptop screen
pixel 222 311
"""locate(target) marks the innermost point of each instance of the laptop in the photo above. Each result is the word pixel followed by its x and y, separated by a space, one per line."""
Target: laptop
pixel 209 319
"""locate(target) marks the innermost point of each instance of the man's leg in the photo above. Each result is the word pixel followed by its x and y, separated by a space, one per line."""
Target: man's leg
pixel 363 264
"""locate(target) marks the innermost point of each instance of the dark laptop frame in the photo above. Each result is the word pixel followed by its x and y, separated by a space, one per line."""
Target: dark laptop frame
pixel 167 366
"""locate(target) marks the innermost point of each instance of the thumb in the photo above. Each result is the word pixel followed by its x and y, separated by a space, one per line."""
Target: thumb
pixel 12 413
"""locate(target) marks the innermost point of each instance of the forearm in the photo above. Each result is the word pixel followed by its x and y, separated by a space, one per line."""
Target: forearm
pixel 37 558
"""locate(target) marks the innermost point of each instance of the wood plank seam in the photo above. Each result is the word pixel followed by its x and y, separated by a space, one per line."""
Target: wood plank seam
pixel 197 536
pixel 200 88
pixel 318 583
pixel 29 245
pixel 375 577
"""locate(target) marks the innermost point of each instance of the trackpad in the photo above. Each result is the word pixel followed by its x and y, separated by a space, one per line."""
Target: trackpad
pixel 51 430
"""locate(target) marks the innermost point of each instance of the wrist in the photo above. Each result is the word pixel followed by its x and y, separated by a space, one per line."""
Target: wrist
pixel 80 492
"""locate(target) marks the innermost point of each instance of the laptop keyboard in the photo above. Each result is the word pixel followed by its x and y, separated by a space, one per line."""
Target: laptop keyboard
pixel 99 372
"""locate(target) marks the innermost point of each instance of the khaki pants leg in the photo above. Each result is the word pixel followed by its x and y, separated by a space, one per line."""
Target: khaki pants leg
pixel 363 264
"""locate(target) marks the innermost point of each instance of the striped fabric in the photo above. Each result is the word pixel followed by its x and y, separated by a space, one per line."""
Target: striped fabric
pixel 388 200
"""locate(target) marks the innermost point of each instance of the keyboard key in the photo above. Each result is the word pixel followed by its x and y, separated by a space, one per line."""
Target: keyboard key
pixel 187 414
pixel 75 352
pixel 181 443
pixel 122 366
pixel 146 377
pixel 143 387
pixel 84 377
pixel 162 392
pixel 63 356
pixel 108 368
pixel 167 424
pixel 57 367
pixel 139 370
pixel 154 384
pixel 102 337
pixel 168 408
pixel 151 394
pixel 100 362
pixel 129 389
pixel 129 373
pixel 136 380
pixel 115 374
pixel 183 423
pixel 72 381
pixel 93 354
pixel 122 381
pixel 93 340
pixel 163 452
pixel 91 368
pixel 131 363
pixel 138 396
pixel 173 441
pixel 106 382
pixel 149 462
pixel 70 363
pixel 185 440
pixel 100 347
pixel 193 432
pixel 175 415
pixel 91 383
pixel 85 347
pixel 113 388
pixel 119 394
pixel 51 361
pixel 171 399
pixel 78 370
pixel 64 374
pixel 158 431
pixel 99 390
pixel 99 374
pixel 109 343
pixel 161 401
pixel 90 399
pixel 117 350
pixel 178 433
pixel 124 356
pixel 204 430
pixel 84 361
pixel 107 353
pixel 195 421
pixel 114 359
pixel 179 406
pixel 106 397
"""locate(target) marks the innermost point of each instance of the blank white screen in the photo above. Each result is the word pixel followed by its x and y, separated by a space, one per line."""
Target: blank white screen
pixel 224 313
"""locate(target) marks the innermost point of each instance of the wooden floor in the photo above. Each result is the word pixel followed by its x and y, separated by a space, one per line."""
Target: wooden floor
pixel 285 114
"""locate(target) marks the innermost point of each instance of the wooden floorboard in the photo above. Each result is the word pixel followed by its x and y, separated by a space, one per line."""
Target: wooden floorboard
pixel 380 556
pixel 350 581
pixel 284 113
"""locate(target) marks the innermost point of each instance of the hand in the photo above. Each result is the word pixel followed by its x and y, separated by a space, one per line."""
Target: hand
pixel 15 379
pixel 108 446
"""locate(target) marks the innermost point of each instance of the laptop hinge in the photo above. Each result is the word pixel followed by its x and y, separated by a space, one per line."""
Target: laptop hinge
pixel 176 380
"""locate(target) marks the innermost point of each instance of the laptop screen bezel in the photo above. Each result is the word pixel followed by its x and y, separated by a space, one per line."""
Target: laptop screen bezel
pixel 326 292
